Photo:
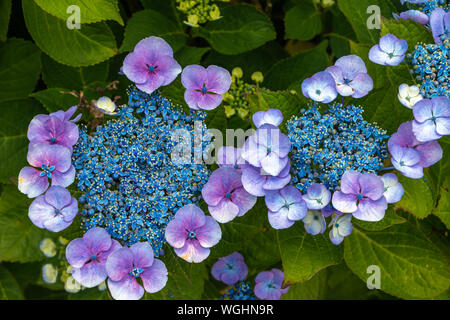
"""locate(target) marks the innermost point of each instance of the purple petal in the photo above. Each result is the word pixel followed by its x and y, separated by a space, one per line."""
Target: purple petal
pixel 321 87
pixel 191 216
pixel 63 179
pixel 193 77
pixel 218 80
pixel 415 15
pixel 97 239
pixel 77 253
pixel 154 278
pixel 31 183
pixel 168 69
pixel 40 211
pixel 228 156
pixel 58 197
pixel 264 292
pixel 135 67
pixel 371 186
pixel 350 182
pixel 264 276
pixel 142 254
pixel 153 82
pixel 362 85
pixel 274 200
pixel 344 202
pixel 378 56
pixel 393 189
pixel 198 100
pixel 271 116
pixel 119 264
pixel 152 47
pixel 437 24
pixel 276 183
pixel 273 164
pixel 369 210
pixel 425 131
pixel 225 211
pixel 253 181
pixel 209 234
pixel 125 289
pixel 279 219
pixel 57 223
pixel 221 181
pixel 291 194
pixel 297 211
pixel 253 152
pixel 351 66
pixel 192 251
pixel 90 275
pixel 176 233
pixel 430 153
pixel 244 200
pixel 443 126
pixel 423 110
pixel 317 196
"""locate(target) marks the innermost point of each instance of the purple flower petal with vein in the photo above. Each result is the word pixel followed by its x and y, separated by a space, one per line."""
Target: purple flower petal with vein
pixel 268 285
pixel 393 190
pixel 410 156
pixel 230 157
pixel 53 211
pixel 192 234
pixel 268 149
pixel 362 195
pixel 88 256
pixel 329 210
pixel 440 24
pixel 350 75
pixel 125 265
pixel 321 87
pixel 225 196
pixel 271 116
pixel 390 51
pixel 414 15
pixel 257 182
pixel 67 115
pixel 230 269
pixel 151 64
pixel 432 119
pixel 314 222
pixel 205 87
pixel 285 207
pixel 53 162
pixel 341 228
pixel 317 196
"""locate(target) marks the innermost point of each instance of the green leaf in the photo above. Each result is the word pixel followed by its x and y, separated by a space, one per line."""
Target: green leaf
pixel 411 267
pixel 303 255
pixel 190 55
pixel 417 199
pixel 5 13
pixel 165 7
pixel 356 13
pixel 443 208
pixel 20 66
pixel 14 118
pixel 91 44
pixel 389 220
pixel 20 238
pixel 90 294
pixel 290 72
pixel 302 22
pixel 59 75
pixel 242 28
pixel 313 289
pixel 9 288
pixel 90 11
pixel 409 30
pixel 151 23
pixel 55 99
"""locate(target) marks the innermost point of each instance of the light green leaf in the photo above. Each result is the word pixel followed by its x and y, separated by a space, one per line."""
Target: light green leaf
pixel 313 289
pixel 242 28
pixel 417 199
pixel 55 99
pixel 20 66
pixel 443 208
pixel 14 118
pixel 19 238
pixel 302 22
pixel 165 7
pixel 409 30
pixel 90 11
pixel 411 267
pixel 91 44
pixel 356 13
pixel 290 72
pixel 59 75
pixel 303 255
pixel 148 23
pixel 389 220
pixel 9 288
pixel 5 13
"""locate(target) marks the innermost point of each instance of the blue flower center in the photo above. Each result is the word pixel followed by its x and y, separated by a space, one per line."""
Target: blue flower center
pixel 337 225
pixel 347 81
pixel 271 285
pixel 433 118
pixel 204 89
pixel 46 170
pixel 57 211
pixel 136 272
pixel 391 55
pixel 53 140
pixel 359 196
pixel 93 257
pixel 192 235
pixel 318 92
pixel 228 195
pixel 236 166
pixel 230 266
pixel 151 68
pixel 316 218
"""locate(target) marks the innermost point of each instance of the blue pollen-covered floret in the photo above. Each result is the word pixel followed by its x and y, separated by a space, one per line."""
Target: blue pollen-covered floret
pixel 428 6
pixel 239 291
pixel 325 145
pixel 431 65
pixel 131 185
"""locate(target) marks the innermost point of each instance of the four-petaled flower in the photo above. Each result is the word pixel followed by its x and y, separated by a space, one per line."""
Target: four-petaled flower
pixel 53 211
pixel 317 196
pixel 192 233
pixel 125 265
pixel 390 51
pixel 314 222
pixel 230 269
pixel 341 227
pixel 432 119
pixel 321 87
pixel 151 64
pixel 88 256
pixel 409 95
pixel 205 87
pixel 269 285
pixel 285 207
pixel 393 190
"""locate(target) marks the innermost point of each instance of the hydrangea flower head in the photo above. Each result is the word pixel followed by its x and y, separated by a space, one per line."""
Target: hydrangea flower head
pixel 258 182
pixel 125 265
pixel 362 195
pixel 314 222
pixel 192 234
pixel 390 51
pixel 53 211
pixel 88 256
pixel 350 74
pixel 317 196
pixel 151 64
pixel 230 269
pixel 225 196
pixel 53 162
pixel 285 207
pixel 440 24
pixel 432 119
pixel 268 149
pixel 341 228
pixel 205 87
pixel 271 116
pixel 409 95
pixel 269 285
pixel 321 87
pixel 393 190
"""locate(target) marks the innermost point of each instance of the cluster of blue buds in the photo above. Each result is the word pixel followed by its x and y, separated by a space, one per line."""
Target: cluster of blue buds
pixel 239 291
pixel 326 145
pixel 131 185
pixel 430 63
pixel 428 6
